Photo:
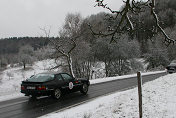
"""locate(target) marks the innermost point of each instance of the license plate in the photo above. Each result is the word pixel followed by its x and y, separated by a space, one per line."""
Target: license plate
pixel 30 87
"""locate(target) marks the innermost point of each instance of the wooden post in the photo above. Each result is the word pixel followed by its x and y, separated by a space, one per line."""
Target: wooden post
pixel 139 78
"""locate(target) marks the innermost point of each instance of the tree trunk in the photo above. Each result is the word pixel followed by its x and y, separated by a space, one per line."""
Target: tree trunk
pixel 70 66
pixel 24 65
pixel 106 68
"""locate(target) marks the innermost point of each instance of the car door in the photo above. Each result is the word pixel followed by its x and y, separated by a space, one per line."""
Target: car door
pixel 68 82
pixel 59 81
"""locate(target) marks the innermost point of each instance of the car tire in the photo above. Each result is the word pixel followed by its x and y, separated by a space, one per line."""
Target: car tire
pixel 84 88
pixel 57 94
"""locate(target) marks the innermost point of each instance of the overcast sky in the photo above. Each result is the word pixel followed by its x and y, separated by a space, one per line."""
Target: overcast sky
pixel 20 18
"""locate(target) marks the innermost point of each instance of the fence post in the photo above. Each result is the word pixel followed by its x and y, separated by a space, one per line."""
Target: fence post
pixel 139 78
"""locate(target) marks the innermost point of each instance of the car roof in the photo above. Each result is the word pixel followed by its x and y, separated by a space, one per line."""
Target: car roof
pixel 50 72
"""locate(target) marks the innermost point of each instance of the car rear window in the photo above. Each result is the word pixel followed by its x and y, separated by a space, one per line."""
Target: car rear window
pixel 41 78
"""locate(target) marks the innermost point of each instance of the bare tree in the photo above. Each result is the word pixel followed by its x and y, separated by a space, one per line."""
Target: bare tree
pixel 125 23
pixel 82 59
pixel 3 62
pixel 26 55
pixel 66 42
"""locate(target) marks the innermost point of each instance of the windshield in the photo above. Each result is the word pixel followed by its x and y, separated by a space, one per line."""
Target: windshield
pixel 41 78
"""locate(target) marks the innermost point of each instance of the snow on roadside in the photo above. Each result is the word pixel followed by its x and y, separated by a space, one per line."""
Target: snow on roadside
pixel 159 101
pixel 99 80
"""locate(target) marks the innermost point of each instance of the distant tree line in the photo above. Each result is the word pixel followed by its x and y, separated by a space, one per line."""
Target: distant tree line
pixel 13 50
pixel 13 44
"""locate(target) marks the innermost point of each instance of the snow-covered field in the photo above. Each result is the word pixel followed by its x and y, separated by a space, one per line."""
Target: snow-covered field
pixel 159 101
pixel 10 79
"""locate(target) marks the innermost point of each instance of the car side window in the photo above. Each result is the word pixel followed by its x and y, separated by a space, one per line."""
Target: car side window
pixel 67 77
pixel 58 77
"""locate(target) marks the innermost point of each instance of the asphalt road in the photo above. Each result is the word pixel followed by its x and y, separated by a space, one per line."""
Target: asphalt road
pixel 25 107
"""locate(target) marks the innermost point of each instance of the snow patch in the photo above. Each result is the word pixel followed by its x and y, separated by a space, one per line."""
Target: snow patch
pixel 11 78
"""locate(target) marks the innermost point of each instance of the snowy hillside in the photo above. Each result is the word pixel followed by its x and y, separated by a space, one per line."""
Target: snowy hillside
pixel 159 101
pixel 10 79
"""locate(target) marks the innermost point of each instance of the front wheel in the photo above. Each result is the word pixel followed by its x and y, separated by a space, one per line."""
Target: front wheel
pixel 84 88
pixel 57 94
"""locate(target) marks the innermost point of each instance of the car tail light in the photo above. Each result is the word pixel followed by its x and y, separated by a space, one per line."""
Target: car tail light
pixel 22 88
pixel 76 82
pixel 41 88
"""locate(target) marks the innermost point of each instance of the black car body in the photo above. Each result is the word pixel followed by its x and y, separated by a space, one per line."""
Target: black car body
pixel 54 84
pixel 171 68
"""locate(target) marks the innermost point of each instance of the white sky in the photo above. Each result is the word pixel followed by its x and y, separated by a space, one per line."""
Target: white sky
pixel 24 17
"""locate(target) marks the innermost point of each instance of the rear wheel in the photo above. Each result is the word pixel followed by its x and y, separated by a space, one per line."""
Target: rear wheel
pixel 57 94
pixel 84 88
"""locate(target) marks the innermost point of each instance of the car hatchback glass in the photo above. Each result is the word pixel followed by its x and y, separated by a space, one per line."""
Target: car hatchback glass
pixel 41 78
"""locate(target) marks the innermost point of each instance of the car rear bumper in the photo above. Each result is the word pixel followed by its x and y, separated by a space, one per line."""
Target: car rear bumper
pixel 36 92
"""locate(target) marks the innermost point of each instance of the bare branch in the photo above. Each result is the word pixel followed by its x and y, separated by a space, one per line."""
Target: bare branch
pixel 46 32
pixel 124 16
pixel 129 22
pixel 167 38
pixel 74 46
pixel 57 47
pixel 58 66
pixel 130 7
